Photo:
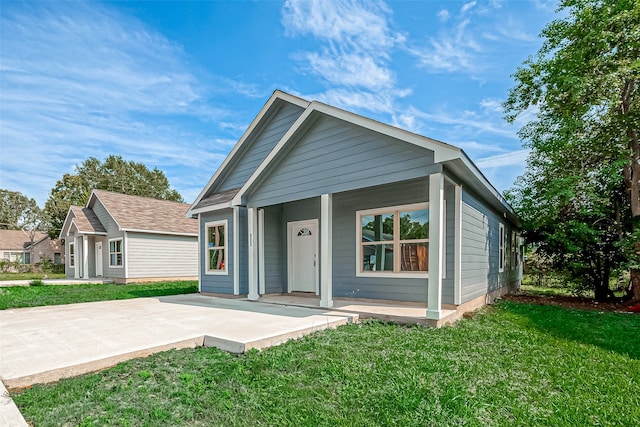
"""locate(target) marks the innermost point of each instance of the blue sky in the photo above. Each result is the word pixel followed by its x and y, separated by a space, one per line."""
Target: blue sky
pixel 173 85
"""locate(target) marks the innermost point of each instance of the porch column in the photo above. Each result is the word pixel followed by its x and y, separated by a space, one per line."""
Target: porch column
pixel 76 257
pixel 436 243
pixel 252 218
pixel 261 276
pixel 457 253
pixel 85 256
pixel 326 245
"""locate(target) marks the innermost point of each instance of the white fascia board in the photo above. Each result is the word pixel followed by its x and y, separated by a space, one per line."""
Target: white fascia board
pixel 64 224
pixel 212 208
pixel 245 136
pixel 488 186
pixel 169 233
pixel 442 151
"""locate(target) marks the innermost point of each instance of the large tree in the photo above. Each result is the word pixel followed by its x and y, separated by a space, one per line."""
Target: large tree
pixel 18 211
pixel 114 174
pixel 580 196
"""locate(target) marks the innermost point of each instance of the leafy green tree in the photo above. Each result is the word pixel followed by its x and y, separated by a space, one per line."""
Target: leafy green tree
pixel 18 211
pixel 580 195
pixel 114 174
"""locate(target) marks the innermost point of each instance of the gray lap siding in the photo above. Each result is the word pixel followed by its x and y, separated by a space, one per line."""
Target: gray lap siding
pixel 345 205
pixel 219 283
pixel 260 148
pixel 480 250
pixel 335 156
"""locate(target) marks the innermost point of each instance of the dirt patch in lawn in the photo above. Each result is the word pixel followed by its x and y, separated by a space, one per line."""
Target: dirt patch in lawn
pixel 575 302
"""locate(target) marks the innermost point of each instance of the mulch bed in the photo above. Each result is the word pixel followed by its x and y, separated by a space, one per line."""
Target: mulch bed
pixel 575 302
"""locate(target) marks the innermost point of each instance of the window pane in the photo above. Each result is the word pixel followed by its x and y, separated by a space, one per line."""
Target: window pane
pixel 216 259
pixel 377 257
pixel 414 257
pixel 414 224
pixel 377 228
pixel 215 236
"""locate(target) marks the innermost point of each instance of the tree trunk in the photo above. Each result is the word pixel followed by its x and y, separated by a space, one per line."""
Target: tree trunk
pixel 632 181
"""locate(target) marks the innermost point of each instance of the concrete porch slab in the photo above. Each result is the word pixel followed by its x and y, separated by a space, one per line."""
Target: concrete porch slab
pixel 393 311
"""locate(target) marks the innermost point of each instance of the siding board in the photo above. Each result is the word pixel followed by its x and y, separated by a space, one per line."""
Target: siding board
pixel 335 156
pixel 218 283
pixel 153 255
pixel 258 150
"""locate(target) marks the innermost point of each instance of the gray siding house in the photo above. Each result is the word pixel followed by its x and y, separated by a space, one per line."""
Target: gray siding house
pixel 319 200
pixel 130 239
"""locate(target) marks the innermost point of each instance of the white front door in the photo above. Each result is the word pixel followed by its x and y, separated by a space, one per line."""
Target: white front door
pixel 303 256
pixel 98 259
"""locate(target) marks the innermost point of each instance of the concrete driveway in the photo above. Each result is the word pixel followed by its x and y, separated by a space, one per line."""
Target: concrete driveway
pixel 44 344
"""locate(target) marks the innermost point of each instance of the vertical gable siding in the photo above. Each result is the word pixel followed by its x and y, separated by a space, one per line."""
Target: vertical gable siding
pixel 260 148
pixel 152 255
pixel 480 250
pixel 335 156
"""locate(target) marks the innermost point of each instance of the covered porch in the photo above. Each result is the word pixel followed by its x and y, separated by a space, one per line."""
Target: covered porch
pixel 337 254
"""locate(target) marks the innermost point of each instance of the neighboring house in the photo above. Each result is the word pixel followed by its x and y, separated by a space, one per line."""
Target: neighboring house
pixel 15 246
pixel 316 199
pixel 130 239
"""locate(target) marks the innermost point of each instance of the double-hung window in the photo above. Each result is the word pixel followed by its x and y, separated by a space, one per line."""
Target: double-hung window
pixel 115 253
pixel 216 233
pixel 393 241
pixel 72 255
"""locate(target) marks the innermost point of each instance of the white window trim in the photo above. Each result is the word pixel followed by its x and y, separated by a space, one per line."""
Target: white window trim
pixel 121 252
pixel 72 257
pixel 501 248
pixel 386 274
pixel 207 271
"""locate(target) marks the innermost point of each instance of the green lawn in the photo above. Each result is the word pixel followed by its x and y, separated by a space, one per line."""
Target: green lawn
pixel 33 296
pixel 30 276
pixel 513 364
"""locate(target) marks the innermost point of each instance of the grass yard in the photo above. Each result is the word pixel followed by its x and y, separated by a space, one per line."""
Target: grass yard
pixel 512 364
pixel 31 276
pixel 33 296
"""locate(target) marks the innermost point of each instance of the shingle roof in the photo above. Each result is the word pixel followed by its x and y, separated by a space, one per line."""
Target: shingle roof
pixel 86 220
pixel 146 214
pixel 217 198
pixel 18 239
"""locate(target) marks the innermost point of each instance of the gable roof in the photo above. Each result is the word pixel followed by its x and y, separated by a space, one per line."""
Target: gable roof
pixel 451 158
pixel 131 213
pixel 19 239
pixel 86 221
pixel 222 199
pixel 146 215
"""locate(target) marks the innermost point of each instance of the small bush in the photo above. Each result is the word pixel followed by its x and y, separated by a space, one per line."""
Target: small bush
pixel 36 282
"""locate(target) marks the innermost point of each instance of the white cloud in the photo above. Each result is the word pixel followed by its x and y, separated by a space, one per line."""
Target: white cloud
pixel 467 6
pixel 78 80
pixel 444 15
pixel 518 157
pixel 353 59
